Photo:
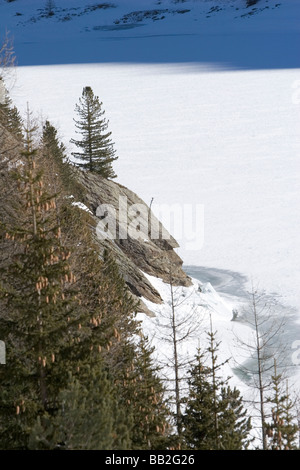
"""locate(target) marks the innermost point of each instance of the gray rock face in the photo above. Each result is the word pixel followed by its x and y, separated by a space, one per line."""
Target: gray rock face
pixel 127 226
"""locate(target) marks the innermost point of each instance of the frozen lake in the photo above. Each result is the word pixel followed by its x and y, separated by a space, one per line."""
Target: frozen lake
pixel 222 280
pixel 233 288
pixel 191 136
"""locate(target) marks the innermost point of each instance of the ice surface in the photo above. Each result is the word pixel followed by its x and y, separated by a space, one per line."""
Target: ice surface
pixel 227 140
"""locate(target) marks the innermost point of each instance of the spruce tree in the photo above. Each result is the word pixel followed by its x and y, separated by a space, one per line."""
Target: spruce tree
pixel 9 115
pixel 214 417
pixel 282 431
pixel 105 300
pixel 57 166
pixel 235 426
pixel 97 152
pixel 106 339
pixel 113 345
pixel 144 395
pixel 198 419
pixel 37 304
pixel 291 430
pixel 52 146
pixel 89 417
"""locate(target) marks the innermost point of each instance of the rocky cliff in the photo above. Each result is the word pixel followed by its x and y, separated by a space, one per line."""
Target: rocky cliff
pixel 127 226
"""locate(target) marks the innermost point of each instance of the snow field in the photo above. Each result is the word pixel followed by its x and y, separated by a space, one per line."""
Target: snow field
pixel 226 140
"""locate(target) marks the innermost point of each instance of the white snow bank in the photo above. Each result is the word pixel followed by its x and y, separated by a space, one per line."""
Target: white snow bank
pixel 82 207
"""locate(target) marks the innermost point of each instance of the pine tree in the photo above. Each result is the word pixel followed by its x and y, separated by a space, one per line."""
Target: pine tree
pixel 37 303
pixel 291 430
pixel 106 302
pixel 57 165
pixel 282 430
pixel 112 342
pixel 106 339
pixel 51 145
pixel 9 115
pixel 143 394
pixel 198 420
pixel 236 426
pixel 214 418
pixel 97 152
pixel 89 417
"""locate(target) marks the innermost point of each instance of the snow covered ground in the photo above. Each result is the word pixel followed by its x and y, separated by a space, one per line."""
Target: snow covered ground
pixel 199 309
pixel 204 109
pixel 225 140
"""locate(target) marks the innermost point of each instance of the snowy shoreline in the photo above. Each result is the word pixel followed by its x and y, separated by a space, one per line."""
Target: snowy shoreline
pixel 214 293
pixel 224 281
pixel 232 287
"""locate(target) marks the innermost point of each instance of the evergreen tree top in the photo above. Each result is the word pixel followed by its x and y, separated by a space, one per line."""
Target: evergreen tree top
pixel 96 148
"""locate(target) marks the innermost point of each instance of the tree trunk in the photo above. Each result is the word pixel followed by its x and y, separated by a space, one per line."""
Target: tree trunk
pixel 260 376
pixel 176 366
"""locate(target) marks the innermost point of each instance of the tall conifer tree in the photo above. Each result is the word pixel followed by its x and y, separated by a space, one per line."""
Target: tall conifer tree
pixel 144 395
pixel 281 431
pixel 9 115
pixel 214 418
pixel 36 306
pixel 89 417
pixel 57 165
pixel 97 152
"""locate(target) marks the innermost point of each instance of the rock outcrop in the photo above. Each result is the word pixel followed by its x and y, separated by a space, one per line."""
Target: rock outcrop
pixel 127 226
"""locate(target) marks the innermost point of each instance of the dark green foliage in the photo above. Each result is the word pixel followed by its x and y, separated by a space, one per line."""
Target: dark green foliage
pixel 36 302
pixel 214 418
pixel 53 149
pixel 43 434
pixel 281 431
pixel 89 417
pixel 97 152
pixel 143 394
pixel 128 364
pixel 235 423
pixel 10 117
pixel 108 305
pixel 198 419
pixel 63 172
